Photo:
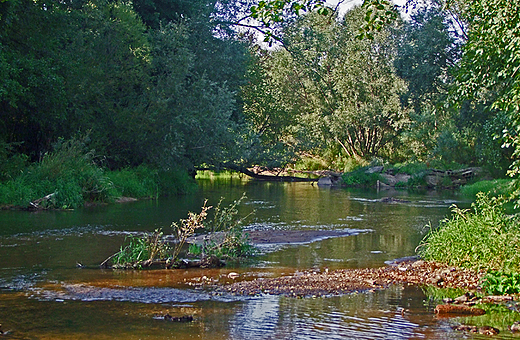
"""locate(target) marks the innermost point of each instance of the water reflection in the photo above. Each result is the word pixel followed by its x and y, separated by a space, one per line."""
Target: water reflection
pixel 396 313
pixel 44 296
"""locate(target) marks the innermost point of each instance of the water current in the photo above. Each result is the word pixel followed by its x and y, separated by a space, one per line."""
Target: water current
pixel 44 295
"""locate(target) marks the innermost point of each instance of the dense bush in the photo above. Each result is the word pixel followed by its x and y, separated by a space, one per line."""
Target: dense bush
pixel 70 176
pixel 482 238
pixel 361 178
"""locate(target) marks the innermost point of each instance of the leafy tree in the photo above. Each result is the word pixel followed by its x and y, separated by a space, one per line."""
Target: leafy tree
pixel 427 53
pixel 342 91
pixel 490 63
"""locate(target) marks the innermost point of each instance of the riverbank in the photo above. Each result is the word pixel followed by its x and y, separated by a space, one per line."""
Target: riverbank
pixel 345 281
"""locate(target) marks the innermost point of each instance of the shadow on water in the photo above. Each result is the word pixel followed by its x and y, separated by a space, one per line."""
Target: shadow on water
pixel 44 296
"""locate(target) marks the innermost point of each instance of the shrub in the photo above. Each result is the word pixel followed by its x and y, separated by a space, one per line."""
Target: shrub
pixel 482 238
pixel 360 178
pixel 69 173
pixel 492 188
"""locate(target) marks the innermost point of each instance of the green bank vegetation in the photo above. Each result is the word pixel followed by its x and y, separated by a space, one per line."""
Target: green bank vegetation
pixel 71 176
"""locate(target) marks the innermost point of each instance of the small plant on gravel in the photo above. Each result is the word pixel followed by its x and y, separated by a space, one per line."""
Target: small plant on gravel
pixel 230 240
pixel 187 228
pixel 227 240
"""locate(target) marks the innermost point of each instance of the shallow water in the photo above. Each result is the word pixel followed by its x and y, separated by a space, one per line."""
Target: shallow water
pixel 44 296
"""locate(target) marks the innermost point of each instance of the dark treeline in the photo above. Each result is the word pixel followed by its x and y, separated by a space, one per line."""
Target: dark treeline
pixel 144 81
pixel 173 84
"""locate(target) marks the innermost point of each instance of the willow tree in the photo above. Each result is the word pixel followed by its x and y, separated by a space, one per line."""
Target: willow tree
pixel 342 90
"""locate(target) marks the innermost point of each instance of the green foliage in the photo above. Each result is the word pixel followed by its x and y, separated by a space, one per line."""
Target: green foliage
pixel 411 168
pixel 11 163
pixel 69 174
pixel 187 228
pixel 492 188
pixel 226 239
pixel 231 240
pixel 327 90
pixel 360 178
pixel 141 182
pixel 500 283
pixel 146 181
pixel 484 238
pixel 488 72
pixel 417 180
pixel 144 93
pixel 140 251
pixel 273 12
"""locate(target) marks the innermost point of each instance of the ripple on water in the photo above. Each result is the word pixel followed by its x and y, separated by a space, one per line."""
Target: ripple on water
pixel 84 292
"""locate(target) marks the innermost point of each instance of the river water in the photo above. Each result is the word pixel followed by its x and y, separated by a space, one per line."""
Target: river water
pixel 44 295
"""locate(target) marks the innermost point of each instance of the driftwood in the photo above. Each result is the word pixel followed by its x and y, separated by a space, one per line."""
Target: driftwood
pixel 271 177
pixel 36 203
pixel 447 310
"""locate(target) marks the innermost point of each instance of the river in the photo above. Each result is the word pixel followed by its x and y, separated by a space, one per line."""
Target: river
pixel 44 294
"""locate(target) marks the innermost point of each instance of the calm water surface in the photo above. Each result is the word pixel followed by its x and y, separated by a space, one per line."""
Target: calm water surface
pixel 44 296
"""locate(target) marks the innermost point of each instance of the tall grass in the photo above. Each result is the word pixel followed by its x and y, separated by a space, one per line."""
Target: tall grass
pixel 71 176
pixel 69 173
pixel 140 182
pixel 484 237
pixel 493 188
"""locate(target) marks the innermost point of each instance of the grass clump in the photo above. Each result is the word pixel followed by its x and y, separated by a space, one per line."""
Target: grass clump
pixel 141 251
pixel 484 237
pixel 226 239
pixel 361 178
pixel 494 188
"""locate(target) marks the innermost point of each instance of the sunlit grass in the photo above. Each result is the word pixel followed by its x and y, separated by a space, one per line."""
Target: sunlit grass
pixel 482 238
pixel 493 188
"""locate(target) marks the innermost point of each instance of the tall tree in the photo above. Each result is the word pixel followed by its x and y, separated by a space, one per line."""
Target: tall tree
pixel 342 91
pixel 489 72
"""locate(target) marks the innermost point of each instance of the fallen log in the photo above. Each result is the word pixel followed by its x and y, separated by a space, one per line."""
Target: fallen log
pixel 448 310
pixel 36 203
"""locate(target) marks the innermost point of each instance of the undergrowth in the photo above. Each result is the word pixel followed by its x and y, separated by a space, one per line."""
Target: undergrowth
pixel 493 188
pixel 484 237
pixel 70 175
pixel 360 178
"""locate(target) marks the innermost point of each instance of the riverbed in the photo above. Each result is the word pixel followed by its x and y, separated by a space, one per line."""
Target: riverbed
pixel 52 287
